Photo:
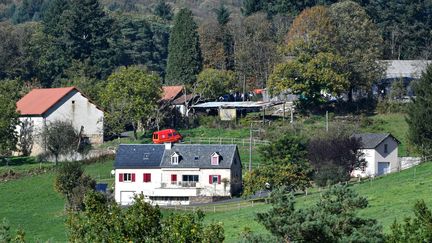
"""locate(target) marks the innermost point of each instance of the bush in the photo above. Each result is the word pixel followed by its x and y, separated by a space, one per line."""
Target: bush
pixel 389 106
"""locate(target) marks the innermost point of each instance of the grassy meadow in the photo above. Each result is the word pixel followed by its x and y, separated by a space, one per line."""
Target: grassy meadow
pixel 32 204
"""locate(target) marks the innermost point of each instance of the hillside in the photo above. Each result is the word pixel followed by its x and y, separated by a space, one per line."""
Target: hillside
pixel 32 204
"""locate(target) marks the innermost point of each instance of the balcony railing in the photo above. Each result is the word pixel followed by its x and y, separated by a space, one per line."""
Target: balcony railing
pixel 176 184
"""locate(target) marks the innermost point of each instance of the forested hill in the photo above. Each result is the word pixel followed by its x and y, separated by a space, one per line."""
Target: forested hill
pixel 81 42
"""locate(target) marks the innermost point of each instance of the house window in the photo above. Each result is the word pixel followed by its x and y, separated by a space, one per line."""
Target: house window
pixel 173 178
pixel 385 148
pixel 147 177
pixel 175 158
pixel 127 177
pixel 215 159
pixel 190 178
pixel 73 102
pixel 146 156
pixel 214 179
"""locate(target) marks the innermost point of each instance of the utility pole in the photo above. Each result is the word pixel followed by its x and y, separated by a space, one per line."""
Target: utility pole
pixel 327 125
pixel 250 148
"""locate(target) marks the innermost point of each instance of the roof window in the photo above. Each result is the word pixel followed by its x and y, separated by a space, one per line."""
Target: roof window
pixel 175 157
pixel 215 158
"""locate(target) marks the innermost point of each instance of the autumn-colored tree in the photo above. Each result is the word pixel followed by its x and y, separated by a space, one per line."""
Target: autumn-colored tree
pixel 312 32
pixel 309 76
pixel 212 46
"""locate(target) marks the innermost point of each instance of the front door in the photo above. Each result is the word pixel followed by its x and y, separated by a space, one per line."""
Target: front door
pixel 383 168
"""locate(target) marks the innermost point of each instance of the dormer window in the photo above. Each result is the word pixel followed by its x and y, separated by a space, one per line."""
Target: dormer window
pixel 175 158
pixel 215 158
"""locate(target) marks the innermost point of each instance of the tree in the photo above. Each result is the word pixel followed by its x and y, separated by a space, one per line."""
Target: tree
pixel 189 227
pixel 417 229
pixel 285 166
pixel 359 42
pixel 397 90
pixel 73 184
pixel 131 95
pixel 309 76
pixel 212 83
pixel 222 15
pixel 333 157
pixel 59 138
pixel 25 139
pixel 184 53
pixel 87 32
pixel 420 114
pixel 311 32
pixel 8 122
pixel 163 10
pixel 333 218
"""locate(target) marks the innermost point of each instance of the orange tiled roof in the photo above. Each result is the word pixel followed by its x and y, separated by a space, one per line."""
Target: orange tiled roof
pixel 38 101
pixel 171 92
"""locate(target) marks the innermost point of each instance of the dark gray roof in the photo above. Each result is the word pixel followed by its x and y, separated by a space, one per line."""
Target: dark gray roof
pixel 191 156
pixel 138 156
pixel 372 140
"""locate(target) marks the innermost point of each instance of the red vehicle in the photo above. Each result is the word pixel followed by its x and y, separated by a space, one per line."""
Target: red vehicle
pixel 166 136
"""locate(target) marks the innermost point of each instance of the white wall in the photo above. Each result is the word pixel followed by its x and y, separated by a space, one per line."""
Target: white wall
pixel 159 176
pixel 373 156
pixel 81 112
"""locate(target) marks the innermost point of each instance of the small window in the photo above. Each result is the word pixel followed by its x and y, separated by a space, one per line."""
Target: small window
pixel 215 179
pixel 73 102
pixel 147 177
pixel 196 158
pixel 127 177
pixel 215 159
pixel 146 156
pixel 175 158
pixel 169 135
pixel 155 136
pixel 175 134
pixel 385 148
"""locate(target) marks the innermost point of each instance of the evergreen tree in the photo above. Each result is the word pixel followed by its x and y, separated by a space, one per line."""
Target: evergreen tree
pixel 184 53
pixel 332 219
pixel 222 15
pixel 251 6
pixel 163 10
pixel 87 34
pixel 420 113
pixel 52 20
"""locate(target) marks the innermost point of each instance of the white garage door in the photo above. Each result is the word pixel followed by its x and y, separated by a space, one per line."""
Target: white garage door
pixel 126 198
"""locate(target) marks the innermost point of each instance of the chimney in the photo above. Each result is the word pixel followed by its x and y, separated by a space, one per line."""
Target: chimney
pixel 168 146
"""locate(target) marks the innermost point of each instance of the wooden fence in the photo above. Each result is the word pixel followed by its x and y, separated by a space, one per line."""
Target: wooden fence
pixel 223 207
pixel 225 140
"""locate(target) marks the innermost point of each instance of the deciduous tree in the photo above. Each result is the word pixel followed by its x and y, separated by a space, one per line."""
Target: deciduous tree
pixel 59 138
pixel 212 83
pixel 131 95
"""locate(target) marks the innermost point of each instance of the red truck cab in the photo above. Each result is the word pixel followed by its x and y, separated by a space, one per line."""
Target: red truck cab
pixel 166 136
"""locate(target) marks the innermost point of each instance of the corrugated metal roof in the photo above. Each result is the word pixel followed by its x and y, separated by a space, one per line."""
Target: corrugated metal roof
pixel 38 101
pixel 406 68
pixel 241 104
pixel 191 156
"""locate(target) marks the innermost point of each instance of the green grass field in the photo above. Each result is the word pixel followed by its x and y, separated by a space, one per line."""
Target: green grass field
pixel 32 203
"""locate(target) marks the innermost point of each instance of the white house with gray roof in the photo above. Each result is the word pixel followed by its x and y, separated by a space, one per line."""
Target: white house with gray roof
pixel 177 174
pixel 380 150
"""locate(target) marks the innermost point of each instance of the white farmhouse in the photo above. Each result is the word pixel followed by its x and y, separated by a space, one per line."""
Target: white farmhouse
pixel 380 150
pixel 42 106
pixel 177 174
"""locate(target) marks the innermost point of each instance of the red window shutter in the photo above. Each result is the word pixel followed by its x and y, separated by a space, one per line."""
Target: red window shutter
pixel 144 177
pixel 210 179
pixel 149 177
pixel 173 177
pixel 219 179
pixel 133 177
pixel 121 177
